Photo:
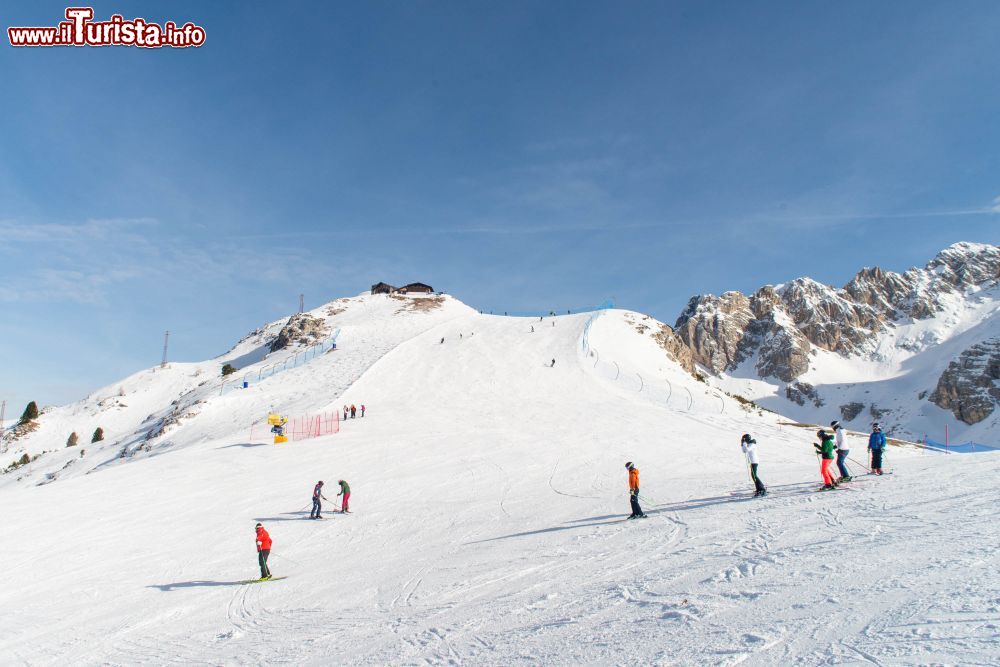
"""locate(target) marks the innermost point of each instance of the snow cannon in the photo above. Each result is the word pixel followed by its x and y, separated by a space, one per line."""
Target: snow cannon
pixel 277 423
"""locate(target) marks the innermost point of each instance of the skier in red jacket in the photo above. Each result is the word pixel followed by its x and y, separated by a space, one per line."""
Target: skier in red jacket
pixel 263 551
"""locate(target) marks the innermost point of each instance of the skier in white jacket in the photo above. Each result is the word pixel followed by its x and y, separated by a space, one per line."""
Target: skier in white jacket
pixel 842 451
pixel 749 446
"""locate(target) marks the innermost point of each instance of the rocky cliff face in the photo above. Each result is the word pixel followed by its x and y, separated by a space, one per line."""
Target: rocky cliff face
pixel 970 387
pixel 781 325
pixel 302 328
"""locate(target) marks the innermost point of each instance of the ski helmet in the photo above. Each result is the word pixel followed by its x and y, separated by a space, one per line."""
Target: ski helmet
pixel 835 424
pixel 320 483
pixel 821 434
pixel 628 464
pixel 746 438
pixel 259 525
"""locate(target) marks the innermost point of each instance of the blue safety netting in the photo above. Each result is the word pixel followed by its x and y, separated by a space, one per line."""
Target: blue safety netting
pixel 960 448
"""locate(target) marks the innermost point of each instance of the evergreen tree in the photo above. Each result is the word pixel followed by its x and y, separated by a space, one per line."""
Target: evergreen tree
pixel 98 435
pixel 30 412
pixel 73 439
pixel 228 369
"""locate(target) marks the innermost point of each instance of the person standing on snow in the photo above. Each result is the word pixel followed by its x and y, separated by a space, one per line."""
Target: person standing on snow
pixel 842 450
pixel 362 409
pixel 345 490
pixel 345 413
pixel 826 451
pixel 633 491
pixel 317 505
pixel 263 551
pixel 354 412
pixel 749 446
pixel 876 445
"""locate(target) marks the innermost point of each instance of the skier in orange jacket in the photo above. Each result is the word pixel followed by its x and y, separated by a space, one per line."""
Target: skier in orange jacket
pixel 633 491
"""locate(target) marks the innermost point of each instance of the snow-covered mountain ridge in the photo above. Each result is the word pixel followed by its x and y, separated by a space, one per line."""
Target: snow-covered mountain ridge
pixel 917 350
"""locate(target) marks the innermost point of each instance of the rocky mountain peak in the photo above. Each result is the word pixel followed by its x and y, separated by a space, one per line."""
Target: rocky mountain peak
pixel 781 324
pixel 966 264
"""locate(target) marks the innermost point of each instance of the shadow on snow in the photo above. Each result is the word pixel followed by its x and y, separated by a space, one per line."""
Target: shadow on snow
pixel 679 506
pixel 166 588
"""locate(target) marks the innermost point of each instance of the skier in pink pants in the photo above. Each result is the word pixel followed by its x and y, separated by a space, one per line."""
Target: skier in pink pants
pixel 345 490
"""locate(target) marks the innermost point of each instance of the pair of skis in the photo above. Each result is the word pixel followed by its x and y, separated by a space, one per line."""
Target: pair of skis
pixel 262 580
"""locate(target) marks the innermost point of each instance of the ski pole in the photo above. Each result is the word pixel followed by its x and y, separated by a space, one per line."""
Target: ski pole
pixel 750 469
pixel 868 468
pixel 288 559
pixel 643 496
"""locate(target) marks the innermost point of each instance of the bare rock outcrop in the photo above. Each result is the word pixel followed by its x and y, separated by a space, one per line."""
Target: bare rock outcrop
pixel 851 410
pixel 675 348
pixel 301 329
pixel 970 386
pixel 712 328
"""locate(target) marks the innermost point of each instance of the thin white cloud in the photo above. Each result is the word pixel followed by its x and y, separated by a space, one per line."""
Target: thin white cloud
pixel 861 217
pixel 13 231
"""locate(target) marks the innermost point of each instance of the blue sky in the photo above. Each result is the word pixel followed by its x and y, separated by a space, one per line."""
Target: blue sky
pixel 519 155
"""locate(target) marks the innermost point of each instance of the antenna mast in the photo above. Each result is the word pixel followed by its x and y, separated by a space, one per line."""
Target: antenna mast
pixel 166 339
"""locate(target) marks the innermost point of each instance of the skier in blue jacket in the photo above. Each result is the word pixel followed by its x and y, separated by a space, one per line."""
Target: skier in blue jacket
pixel 876 445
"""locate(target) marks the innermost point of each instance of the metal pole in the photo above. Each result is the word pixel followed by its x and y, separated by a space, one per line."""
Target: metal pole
pixel 166 339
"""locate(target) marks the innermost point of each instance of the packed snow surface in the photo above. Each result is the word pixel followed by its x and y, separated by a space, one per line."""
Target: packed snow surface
pixel 488 526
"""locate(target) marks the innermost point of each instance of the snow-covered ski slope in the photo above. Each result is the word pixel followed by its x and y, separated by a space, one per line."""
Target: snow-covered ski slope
pixel 488 526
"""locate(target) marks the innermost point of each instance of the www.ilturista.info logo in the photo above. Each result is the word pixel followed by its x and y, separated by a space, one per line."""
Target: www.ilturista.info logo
pixel 81 30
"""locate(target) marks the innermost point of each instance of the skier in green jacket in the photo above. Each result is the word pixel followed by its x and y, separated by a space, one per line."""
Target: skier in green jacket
pixel 826 450
pixel 345 490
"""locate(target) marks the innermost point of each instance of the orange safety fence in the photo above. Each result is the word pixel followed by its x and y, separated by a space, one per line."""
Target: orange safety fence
pixel 299 428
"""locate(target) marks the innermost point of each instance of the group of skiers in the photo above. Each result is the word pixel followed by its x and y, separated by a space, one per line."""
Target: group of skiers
pixel 317 497
pixel 353 410
pixel 264 539
pixel 832 446
pixel 836 443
